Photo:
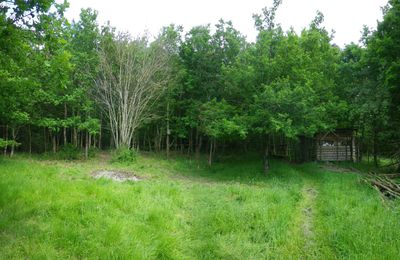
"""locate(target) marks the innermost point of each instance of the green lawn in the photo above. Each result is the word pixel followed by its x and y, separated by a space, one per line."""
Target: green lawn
pixel 54 209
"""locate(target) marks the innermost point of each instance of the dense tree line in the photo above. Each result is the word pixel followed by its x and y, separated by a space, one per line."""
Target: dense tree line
pixel 78 84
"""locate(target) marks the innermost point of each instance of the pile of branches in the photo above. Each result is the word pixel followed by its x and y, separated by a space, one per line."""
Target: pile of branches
pixel 387 186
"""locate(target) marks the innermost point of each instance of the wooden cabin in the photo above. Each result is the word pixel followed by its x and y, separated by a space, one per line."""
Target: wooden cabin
pixel 337 145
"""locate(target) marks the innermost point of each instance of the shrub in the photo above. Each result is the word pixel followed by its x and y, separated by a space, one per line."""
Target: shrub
pixel 124 155
pixel 93 152
pixel 69 152
pixel 6 143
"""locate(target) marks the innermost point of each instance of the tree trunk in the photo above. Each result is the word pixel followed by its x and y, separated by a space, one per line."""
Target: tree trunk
pixel 44 139
pixel 211 152
pixel 90 141
pixel 87 145
pixel 149 143
pixel 175 143
pixel 168 132
pixel 75 137
pixel 198 140
pixel 375 147
pixel 190 147
pixel 266 157
pixel 111 140
pixel 53 137
pixel 30 139
pixel 6 138
pixel 156 148
pixel 65 128
pixel 13 137
pixel 182 146
pixel 99 144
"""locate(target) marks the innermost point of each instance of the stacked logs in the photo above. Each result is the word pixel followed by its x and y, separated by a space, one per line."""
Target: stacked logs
pixel 388 187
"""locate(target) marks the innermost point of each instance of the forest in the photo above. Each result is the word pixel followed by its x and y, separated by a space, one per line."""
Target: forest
pixel 67 85
pixel 196 143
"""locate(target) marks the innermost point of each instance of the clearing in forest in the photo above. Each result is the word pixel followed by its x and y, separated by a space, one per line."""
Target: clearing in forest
pixel 181 211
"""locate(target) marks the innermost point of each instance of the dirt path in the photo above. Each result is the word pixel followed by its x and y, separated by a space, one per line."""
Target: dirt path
pixel 301 235
pixel 307 216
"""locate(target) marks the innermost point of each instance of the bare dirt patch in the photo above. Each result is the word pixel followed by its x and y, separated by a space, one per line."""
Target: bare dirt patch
pixel 338 169
pixel 307 212
pixel 119 176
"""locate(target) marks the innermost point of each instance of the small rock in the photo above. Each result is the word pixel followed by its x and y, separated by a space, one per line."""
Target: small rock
pixel 118 176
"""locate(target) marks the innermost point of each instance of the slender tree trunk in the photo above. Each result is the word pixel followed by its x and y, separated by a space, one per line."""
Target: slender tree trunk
pixel 65 128
pixel 58 137
pixel 6 138
pixel 168 132
pixel 149 142
pixel 44 139
pixel 87 145
pixel 137 142
pixel 53 137
pixel 100 132
pixel 375 147
pixel 160 140
pixel 75 137
pixel 274 145
pixel 13 137
pixel 156 147
pixel 175 143
pixel 198 147
pixel 90 141
pixel 182 146
pixel 30 139
pixel 266 157
pixel 190 148
pixel 211 152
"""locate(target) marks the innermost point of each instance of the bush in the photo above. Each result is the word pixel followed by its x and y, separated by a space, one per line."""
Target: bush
pixel 93 152
pixel 69 152
pixel 6 143
pixel 124 155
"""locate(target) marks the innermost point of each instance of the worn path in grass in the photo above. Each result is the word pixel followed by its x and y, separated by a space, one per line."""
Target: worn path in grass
pixel 53 209
pixel 301 234
pixel 309 195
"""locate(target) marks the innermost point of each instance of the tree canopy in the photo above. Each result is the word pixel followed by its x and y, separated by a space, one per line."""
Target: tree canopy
pixel 204 90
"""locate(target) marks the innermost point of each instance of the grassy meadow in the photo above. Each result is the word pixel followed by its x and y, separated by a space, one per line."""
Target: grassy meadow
pixel 182 210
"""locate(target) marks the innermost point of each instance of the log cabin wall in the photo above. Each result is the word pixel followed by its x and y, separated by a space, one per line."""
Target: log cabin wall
pixel 337 145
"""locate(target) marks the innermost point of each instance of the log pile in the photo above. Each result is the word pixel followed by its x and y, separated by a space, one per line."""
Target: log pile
pixel 389 188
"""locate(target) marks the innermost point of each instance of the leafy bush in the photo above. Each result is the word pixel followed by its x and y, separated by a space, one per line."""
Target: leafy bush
pixel 93 152
pixel 124 155
pixel 6 143
pixel 69 152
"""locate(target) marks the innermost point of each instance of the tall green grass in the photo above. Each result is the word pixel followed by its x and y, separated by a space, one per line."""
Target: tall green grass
pixel 186 210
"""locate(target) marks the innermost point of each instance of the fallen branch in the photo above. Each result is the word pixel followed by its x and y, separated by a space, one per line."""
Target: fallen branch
pixel 386 186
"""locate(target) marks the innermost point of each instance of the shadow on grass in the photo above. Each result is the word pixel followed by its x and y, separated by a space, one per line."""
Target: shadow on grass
pixel 227 169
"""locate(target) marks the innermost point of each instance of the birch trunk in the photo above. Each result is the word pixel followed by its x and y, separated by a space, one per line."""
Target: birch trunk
pixel 132 77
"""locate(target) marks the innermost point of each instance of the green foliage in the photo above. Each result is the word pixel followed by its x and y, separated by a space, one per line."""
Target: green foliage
pixel 92 125
pixel 222 88
pixel 220 121
pixel 92 153
pixel 8 143
pixel 124 155
pixel 69 152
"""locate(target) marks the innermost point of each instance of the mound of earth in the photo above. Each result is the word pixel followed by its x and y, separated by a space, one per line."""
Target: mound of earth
pixel 119 176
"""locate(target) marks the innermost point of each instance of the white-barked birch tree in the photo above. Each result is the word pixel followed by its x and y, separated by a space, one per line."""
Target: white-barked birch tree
pixel 133 73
